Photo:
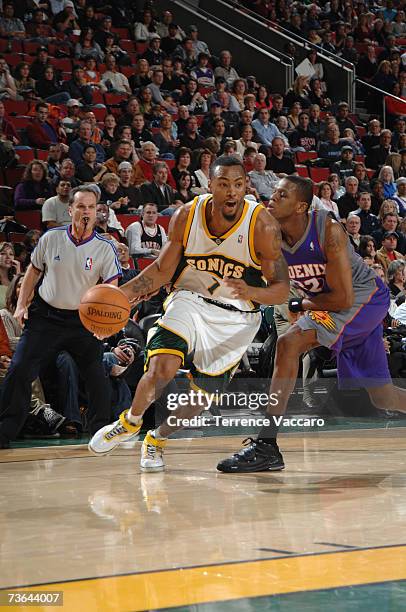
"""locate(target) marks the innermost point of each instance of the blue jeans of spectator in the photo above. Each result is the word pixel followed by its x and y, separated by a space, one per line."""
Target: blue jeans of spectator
pixel 121 394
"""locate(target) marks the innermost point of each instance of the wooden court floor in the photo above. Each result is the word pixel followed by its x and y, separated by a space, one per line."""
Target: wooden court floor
pixel 327 532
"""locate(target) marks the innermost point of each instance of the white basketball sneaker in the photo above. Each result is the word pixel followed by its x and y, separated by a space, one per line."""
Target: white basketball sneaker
pixel 109 437
pixel 152 454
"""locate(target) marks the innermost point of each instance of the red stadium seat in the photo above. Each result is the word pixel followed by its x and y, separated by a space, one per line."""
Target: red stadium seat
pixel 15 238
pixel 31 47
pixel 141 47
pixel 359 158
pixel 361 131
pixel 13 176
pixel 25 155
pixel 371 173
pixel 98 97
pixel 128 45
pixel 99 113
pixel 21 123
pixel 62 63
pixel 128 71
pixel 16 107
pixel 319 174
pixel 30 218
pixel 41 154
pixel 123 33
pixel 114 99
pixel 126 220
pixel 170 163
pixel 302 171
pixel 144 262
pixel 302 156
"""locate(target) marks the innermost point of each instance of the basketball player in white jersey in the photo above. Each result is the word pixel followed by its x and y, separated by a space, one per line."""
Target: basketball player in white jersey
pixel 220 248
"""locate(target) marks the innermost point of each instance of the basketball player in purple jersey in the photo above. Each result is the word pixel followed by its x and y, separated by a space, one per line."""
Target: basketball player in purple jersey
pixel 343 309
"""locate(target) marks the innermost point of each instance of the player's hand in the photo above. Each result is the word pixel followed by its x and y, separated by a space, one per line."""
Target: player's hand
pixel 238 288
pixel 21 314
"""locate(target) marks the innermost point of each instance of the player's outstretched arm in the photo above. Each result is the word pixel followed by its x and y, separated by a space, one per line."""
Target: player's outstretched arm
pixel 338 273
pixel 267 244
pixel 161 271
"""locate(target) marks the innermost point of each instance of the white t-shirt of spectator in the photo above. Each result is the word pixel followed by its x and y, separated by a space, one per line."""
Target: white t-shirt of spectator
pixel 70 267
pixel 54 209
pixel 118 81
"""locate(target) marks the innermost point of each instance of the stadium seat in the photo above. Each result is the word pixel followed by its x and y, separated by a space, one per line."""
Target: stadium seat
pixel 62 63
pixel 14 237
pixel 30 218
pixel 98 97
pixel 128 71
pixel 13 176
pixel 25 155
pixel 128 45
pixel 302 156
pixel 319 174
pixel 144 262
pixel 41 154
pixel 99 113
pixel 30 47
pixel 126 220
pixel 114 99
pixel 302 171
pixel 361 131
pixel 21 122
pixel 170 163
pixel 16 107
pixel 123 33
pixel 141 47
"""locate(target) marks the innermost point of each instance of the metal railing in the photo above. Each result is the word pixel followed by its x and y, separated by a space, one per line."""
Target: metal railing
pixel 262 29
pixel 384 95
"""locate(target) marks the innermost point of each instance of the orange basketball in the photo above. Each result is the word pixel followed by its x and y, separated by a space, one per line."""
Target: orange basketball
pixel 104 310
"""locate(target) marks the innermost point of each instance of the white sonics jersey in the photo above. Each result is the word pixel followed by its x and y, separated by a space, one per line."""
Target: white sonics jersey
pixel 208 259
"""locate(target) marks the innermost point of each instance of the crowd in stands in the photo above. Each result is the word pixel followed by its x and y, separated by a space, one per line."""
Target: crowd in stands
pixel 92 93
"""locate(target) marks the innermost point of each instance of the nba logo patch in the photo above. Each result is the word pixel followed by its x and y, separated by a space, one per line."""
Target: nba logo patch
pixel 89 263
pixel 240 237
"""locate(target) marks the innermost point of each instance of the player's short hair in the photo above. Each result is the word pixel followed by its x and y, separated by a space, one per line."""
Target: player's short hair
pixel 304 188
pixel 226 161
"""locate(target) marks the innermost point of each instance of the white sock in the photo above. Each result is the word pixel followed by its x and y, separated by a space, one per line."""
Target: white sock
pixel 156 435
pixel 134 420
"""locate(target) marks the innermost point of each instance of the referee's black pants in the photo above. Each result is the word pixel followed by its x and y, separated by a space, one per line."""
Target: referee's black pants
pixel 48 331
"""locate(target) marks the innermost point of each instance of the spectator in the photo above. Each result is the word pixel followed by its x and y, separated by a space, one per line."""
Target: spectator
pixel 104 32
pixel 85 138
pixel 191 138
pixel 353 225
pixel 346 166
pixel 9 267
pixel 114 80
pixel 397 277
pixel 11 26
pixel 165 140
pixel 123 151
pixel 316 124
pixel 293 116
pixel 202 72
pixel 71 123
pixel 170 42
pixel 277 107
pixel 367 247
pixel 146 28
pixel 388 253
pixel 54 160
pixel 199 46
pixel 67 171
pixel 154 54
pixel 34 189
pixel 183 159
pixel 193 99
pixel 303 138
pixel 186 53
pixel 163 26
pixel 369 222
pixel 172 83
pixel 7 126
pixel 265 130
pixel 38 66
pixel 77 87
pixel 386 176
pixel 299 92
pixel 225 69
pixel 49 88
pixel 157 190
pixel 325 194
pixel 348 202
pixel 317 95
pixel 389 223
pixel 202 174
pixel 330 150
pixel 102 224
pixel 55 210
pixel 87 47
pixel 279 162
pixel 360 173
pixel 24 83
pixel 376 155
pixel 155 89
pixel 400 196
pixel 143 169
pixel 342 118
pixel 145 237
pixel 264 181
pixel 183 185
pixel 42 131
pixel 89 168
pixel 246 140
pixel 127 266
pixel 372 137
pixel 349 52
pixel 126 188
pixel 338 189
pixel 109 194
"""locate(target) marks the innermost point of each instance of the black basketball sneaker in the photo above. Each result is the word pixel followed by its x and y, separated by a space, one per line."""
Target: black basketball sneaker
pixel 256 456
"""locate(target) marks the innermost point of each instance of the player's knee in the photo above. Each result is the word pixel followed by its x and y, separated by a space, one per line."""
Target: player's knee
pixel 288 344
pixel 162 368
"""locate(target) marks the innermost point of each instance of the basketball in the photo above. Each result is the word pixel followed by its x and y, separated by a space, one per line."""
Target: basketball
pixel 104 310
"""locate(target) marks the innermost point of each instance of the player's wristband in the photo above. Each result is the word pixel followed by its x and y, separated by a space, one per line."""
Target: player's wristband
pixel 295 304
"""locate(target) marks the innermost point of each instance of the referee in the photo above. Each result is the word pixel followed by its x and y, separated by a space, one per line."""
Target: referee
pixel 70 260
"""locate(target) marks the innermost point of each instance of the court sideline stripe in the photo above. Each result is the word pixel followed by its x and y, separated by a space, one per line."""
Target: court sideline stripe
pixel 241 580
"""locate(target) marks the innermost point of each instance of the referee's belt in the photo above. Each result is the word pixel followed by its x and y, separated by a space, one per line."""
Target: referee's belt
pixel 229 306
